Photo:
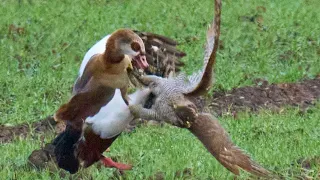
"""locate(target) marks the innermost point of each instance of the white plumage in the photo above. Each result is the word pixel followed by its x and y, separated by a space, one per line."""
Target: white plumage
pixel 114 117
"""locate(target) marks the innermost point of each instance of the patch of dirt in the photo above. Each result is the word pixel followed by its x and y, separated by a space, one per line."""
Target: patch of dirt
pixel 302 169
pixel 263 95
pixel 43 158
pixel 308 163
pixel 157 176
pixel 186 173
pixel 8 133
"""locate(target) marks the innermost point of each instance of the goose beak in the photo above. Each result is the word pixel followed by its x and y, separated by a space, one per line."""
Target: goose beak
pixel 140 61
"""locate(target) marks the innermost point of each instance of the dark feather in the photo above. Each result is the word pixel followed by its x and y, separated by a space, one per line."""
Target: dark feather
pixel 162 54
pixel 64 149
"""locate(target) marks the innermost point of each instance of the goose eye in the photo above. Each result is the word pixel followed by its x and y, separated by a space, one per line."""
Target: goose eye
pixel 135 46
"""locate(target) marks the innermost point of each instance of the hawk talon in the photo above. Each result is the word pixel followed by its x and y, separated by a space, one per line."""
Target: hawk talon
pixel 135 109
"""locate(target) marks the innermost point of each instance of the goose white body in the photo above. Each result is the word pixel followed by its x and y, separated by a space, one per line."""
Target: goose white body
pixel 115 116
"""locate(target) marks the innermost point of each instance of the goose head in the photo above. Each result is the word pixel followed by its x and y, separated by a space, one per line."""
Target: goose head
pixel 126 42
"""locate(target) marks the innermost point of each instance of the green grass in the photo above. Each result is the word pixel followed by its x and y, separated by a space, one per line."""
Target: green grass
pixel 39 66
pixel 275 140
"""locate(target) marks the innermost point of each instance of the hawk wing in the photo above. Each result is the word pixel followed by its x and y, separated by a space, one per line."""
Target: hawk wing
pixel 201 81
pixel 213 136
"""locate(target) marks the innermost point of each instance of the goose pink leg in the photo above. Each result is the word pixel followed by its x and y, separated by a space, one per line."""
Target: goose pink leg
pixel 108 162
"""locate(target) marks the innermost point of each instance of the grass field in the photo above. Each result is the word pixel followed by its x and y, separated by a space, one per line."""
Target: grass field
pixel 43 42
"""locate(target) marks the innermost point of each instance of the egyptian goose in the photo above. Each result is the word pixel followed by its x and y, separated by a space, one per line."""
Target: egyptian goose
pixel 96 114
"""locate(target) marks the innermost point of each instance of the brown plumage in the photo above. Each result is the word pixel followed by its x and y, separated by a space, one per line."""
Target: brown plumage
pixel 212 135
pixel 210 54
pixel 204 126
pixel 106 70
pixel 90 150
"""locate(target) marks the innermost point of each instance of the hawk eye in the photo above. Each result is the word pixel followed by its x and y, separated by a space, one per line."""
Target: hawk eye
pixel 152 85
pixel 135 46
